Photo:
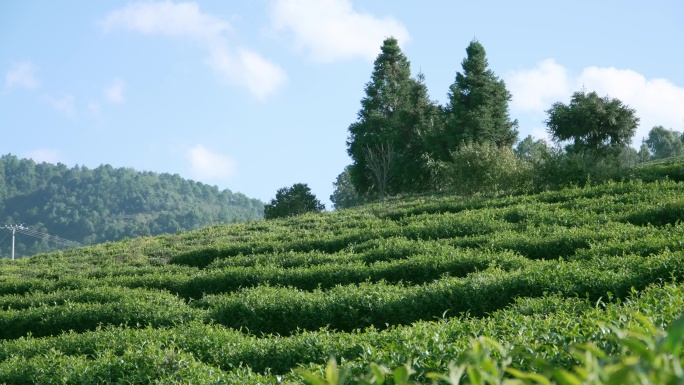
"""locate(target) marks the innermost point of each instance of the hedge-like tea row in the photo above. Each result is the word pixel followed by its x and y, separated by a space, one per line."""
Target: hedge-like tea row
pixel 282 259
pixel 20 285
pixel 342 270
pixel 136 308
pixel 279 310
pixel 99 295
pixel 144 364
pixel 545 327
pixel 415 269
pixel 402 259
pixel 605 205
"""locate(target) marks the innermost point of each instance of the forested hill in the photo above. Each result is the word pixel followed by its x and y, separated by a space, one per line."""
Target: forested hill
pixel 107 204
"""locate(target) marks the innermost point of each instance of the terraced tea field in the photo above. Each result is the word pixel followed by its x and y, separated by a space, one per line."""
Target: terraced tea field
pixel 563 286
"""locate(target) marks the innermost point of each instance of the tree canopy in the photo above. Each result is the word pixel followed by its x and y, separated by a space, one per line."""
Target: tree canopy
pixel 478 104
pixel 392 124
pixel 532 150
pixel 591 124
pixel 664 143
pixel 402 142
pixel 292 201
pixel 344 195
pixel 107 204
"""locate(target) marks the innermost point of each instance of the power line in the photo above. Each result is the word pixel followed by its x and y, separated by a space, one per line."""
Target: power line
pixel 37 234
pixel 14 228
pixel 48 237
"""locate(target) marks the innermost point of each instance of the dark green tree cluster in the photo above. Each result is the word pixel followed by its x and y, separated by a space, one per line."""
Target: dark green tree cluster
pixel 107 204
pixel 292 201
pixel 477 111
pixel 400 131
pixel 402 142
pixel 344 195
pixel 390 136
pixel 663 143
pixel 593 125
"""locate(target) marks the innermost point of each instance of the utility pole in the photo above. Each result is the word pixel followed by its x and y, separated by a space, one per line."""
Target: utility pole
pixel 14 229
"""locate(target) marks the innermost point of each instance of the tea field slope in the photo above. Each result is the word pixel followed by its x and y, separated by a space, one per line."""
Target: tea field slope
pixel 513 285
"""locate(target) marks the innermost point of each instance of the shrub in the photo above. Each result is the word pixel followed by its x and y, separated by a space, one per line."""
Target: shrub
pixel 483 168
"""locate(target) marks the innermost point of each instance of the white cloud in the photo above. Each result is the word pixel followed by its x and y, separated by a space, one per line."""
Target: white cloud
pixel 538 88
pixel 249 70
pixel 205 164
pixel 49 155
pixel 239 66
pixel 115 92
pixel 656 101
pixel 64 105
pixel 166 18
pixel 332 30
pixel 22 74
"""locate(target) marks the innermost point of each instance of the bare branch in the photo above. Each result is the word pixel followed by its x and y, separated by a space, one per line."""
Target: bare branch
pixel 379 162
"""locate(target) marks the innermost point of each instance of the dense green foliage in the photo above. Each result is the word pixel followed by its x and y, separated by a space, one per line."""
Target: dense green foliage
pixel 557 284
pixel 291 201
pixel 388 140
pixel 478 105
pixel 664 143
pixel 591 124
pixel 108 204
pixel 399 131
pixel 344 195
pixel 485 168
pixel 670 168
pixel 404 143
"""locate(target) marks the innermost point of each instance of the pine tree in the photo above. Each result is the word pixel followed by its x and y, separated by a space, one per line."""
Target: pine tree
pixel 478 105
pixel 395 116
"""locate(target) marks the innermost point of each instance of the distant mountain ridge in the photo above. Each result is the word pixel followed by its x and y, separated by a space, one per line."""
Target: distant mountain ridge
pixel 108 204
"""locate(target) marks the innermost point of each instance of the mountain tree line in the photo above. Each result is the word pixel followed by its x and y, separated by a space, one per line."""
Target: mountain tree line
pixel 402 142
pixel 107 204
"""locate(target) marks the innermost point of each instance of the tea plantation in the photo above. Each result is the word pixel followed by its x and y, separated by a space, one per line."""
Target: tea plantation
pixel 582 285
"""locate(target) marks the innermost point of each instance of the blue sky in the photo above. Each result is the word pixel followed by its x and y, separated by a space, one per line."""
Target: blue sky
pixel 256 95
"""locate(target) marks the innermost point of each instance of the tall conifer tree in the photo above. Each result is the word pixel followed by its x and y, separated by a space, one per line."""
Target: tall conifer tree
pixel 478 105
pixel 395 116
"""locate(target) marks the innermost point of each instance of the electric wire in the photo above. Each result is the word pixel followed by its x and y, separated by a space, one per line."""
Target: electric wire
pixel 48 237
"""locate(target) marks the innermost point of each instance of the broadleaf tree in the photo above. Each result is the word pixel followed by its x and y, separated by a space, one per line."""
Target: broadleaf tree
pixel 591 125
pixel 292 201
pixel 644 153
pixel 532 150
pixel 477 111
pixel 664 143
pixel 344 195
pixel 396 113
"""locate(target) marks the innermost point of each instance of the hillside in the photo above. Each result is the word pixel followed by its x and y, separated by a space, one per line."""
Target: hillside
pixel 107 204
pixel 427 281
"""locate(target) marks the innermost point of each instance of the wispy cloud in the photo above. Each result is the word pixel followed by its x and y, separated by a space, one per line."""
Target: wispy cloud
pixel 208 165
pixel 65 105
pixel 22 74
pixel 248 69
pixel 331 30
pixel 49 155
pixel 656 101
pixel 167 18
pixel 114 93
pixel 238 66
